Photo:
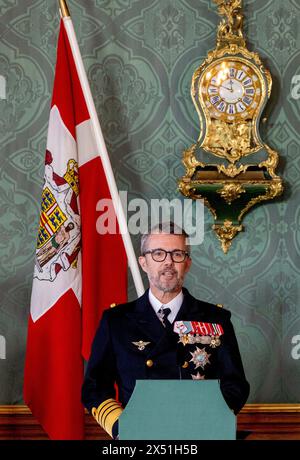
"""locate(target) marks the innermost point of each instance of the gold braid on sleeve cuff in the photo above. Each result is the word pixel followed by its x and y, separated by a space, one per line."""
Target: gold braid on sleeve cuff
pixel 107 414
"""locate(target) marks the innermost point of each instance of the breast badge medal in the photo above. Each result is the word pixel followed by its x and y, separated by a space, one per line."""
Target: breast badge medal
pixel 193 332
pixel 141 344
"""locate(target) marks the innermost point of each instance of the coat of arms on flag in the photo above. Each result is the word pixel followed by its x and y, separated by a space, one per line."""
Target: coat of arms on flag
pixel 58 242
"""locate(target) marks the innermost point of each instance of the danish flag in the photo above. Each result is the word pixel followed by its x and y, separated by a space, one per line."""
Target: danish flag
pixel 78 272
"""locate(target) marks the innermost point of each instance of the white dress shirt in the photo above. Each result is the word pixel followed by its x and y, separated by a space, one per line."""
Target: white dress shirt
pixel 174 305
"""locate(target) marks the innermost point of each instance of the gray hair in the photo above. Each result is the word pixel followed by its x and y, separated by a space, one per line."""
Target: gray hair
pixel 168 228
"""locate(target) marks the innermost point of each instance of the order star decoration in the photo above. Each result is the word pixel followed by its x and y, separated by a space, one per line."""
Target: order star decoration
pixel 200 357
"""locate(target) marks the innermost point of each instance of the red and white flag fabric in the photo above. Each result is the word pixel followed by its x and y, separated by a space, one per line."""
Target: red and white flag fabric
pixel 78 272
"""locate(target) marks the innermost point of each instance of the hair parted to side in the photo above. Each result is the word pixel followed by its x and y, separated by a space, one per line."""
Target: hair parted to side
pixel 168 228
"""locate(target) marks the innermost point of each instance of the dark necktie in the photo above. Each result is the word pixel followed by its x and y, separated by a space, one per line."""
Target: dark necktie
pixel 163 314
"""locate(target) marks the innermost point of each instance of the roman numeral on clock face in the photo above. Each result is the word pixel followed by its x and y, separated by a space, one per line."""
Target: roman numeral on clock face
pixel 240 75
pixel 212 90
pixel 231 109
pixel 241 107
pixel 221 106
pixel 215 99
pixel 232 72
pixel 247 82
pixel 247 100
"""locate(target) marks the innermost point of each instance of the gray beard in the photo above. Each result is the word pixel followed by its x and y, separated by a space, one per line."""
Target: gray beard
pixel 165 289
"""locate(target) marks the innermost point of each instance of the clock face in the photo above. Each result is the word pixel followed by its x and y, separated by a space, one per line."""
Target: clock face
pixel 231 90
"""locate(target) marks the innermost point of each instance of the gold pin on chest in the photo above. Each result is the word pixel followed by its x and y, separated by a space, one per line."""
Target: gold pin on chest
pixel 141 344
pixel 215 342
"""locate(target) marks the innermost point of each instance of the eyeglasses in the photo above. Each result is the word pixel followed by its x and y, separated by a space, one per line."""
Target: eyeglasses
pixel 159 255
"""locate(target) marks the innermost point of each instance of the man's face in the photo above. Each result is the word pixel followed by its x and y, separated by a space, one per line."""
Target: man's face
pixel 166 276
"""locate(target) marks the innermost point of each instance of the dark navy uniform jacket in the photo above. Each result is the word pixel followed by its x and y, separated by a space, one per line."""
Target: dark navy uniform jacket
pixel 115 359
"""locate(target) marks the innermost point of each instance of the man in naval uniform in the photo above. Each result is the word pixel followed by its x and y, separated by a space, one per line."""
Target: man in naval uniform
pixel 164 334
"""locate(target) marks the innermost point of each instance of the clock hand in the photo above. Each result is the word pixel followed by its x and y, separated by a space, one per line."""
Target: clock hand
pixel 229 89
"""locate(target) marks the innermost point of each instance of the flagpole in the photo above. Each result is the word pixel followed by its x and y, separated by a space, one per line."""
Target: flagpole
pixel 64 9
pixel 132 261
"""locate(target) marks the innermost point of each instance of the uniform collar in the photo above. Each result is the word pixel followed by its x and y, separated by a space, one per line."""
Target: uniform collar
pixel 145 317
pixel 174 304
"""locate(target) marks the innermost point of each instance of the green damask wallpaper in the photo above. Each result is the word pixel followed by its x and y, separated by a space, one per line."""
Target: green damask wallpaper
pixel 140 56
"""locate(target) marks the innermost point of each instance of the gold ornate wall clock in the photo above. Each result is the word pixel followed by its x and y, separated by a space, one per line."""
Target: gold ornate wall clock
pixel 230 167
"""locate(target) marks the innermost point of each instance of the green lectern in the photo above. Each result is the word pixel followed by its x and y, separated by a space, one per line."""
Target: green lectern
pixel 177 410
